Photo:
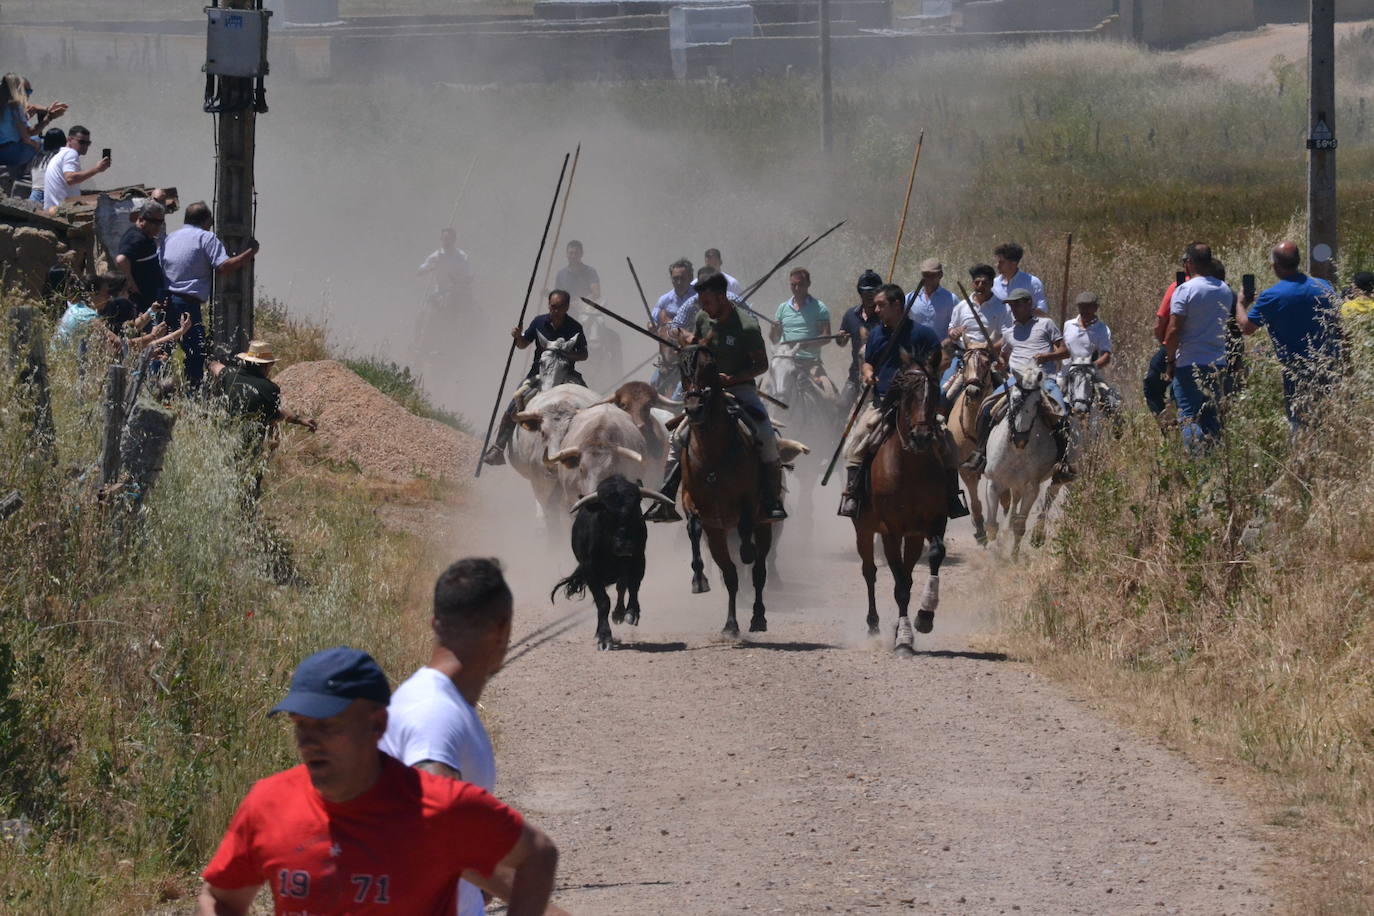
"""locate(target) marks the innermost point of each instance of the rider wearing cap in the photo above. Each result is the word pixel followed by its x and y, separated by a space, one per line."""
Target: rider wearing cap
pixel 735 342
pixel 916 344
pixel 1031 341
pixel 857 324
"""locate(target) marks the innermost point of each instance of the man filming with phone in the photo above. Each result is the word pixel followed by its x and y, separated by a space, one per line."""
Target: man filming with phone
pixel 64 175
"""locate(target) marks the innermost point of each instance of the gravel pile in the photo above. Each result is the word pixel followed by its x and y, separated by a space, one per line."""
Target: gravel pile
pixel 358 423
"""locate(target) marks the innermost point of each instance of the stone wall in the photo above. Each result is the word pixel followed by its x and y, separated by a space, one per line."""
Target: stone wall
pixel 1174 23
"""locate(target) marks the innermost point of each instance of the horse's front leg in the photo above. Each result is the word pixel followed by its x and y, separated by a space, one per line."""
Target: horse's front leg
pixel 719 545
pixel 1038 533
pixel 971 480
pixel 700 584
pixel 925 617
pixel 763 541
pixel 904 639
pixel 863 537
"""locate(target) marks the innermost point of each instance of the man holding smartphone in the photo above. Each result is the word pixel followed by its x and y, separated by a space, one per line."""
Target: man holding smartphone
pixel 64 175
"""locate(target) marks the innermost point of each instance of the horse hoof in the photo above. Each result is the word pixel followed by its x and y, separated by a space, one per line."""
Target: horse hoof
pixel 903 638
pixel 925 621
pixel 758 624
pixel 700 585
pixel 903 650
pixel 617 617
pixel 603 643
pixel 873 630
pixel 632 620
pixel 730 631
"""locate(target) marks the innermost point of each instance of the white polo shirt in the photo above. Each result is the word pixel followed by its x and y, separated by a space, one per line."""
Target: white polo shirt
pixel 1092 341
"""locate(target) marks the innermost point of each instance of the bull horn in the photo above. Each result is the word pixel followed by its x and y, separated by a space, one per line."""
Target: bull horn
pixel 668 403
pixel 646 493
pixel 571 451
pixel 528 416
pixel 629 453
pixel 577 506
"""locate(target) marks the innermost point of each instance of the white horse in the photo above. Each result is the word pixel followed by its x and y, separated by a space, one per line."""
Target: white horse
pixel 1020 457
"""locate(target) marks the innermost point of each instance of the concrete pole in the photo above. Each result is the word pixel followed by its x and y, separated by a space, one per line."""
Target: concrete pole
pixel 826 129
pixel 232 310
pixel 1321 143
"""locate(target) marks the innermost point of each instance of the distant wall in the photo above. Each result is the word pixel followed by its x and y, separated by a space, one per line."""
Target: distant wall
pixel 1298 10
pixel 1173 23
pixel 1035 15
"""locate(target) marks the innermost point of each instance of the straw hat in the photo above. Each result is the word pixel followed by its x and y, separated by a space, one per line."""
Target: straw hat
pixel 259 351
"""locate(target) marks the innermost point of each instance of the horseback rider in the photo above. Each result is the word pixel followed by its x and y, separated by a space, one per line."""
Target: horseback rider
pixel 543 330
pixel 735 342
pixel 856 325
pixel 665 310
pixel 982 310
pixel 800 318
pixel 1030 341
pixel 450 273
pixel 915 344
pixel 1088 337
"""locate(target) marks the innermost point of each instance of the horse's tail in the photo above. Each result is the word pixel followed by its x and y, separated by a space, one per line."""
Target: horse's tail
pixel 574 587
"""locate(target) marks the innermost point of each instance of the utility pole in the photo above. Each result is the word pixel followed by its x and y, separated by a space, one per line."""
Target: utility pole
pixel 235 66
pixel 1321 140
pixel 826 130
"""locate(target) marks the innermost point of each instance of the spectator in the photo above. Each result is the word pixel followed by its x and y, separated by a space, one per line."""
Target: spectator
pixel 64 175
pixel 191 258
pixel 354 830
pixel 1359 299
pixel 1303 319
pixel 139 258
pixel 432 722
pixel 930 303
pixel 18 146
pixel 1195 348
pixel 53 141
pixel 1154 386
pixel 1010 276
pixel 712 260
pixel 250 394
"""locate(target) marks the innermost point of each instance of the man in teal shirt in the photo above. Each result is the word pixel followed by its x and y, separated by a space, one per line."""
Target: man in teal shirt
pixel 801 318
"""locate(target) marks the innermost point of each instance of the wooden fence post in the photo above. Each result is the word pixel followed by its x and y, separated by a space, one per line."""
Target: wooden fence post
pixel 10 503
pixel 116 381
pixel 28 359
pixel 143 447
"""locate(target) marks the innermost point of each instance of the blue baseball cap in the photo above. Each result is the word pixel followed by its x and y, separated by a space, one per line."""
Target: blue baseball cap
pixel 324 684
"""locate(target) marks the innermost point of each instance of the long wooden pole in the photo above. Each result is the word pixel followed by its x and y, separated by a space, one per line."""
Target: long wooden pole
pixel 640 286
pixel 906 205
pixel 1064 292
pixel 558 233
pixel 534 272
pixel 462 189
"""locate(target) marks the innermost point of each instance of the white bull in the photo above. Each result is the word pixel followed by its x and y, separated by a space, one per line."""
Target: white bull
pixel 539 433
pixel 601 441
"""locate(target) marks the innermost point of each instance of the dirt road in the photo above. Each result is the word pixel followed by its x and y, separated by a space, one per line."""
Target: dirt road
pixel 1248 56
pixel 808 770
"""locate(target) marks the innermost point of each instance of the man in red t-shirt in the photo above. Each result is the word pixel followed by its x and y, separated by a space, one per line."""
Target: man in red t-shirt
pixel 354 831
pixel 1154 386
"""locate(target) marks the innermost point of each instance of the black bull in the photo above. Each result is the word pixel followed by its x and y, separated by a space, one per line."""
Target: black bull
pixel 608 539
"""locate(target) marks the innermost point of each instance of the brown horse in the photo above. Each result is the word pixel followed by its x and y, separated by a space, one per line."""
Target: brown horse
pixel 905 502
pixel 976 382
pixel 720 485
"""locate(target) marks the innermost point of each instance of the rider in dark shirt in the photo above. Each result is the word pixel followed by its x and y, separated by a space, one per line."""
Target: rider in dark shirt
pixel 856 325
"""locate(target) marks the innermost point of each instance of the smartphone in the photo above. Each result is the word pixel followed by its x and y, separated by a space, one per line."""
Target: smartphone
pixel 105 153
pixel 1247 286
pixel 1180 278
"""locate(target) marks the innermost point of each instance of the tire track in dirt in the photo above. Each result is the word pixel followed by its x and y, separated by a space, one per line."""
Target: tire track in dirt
pixel 808 770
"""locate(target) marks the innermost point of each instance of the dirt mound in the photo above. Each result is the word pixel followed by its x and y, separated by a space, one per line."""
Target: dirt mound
pixel 360 424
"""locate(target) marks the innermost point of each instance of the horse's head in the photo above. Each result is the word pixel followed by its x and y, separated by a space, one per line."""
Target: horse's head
pixel 977 371
pixel 1023 402
pixel 916 403
pixel 700 379
pixel 555 360
pixel 1080 381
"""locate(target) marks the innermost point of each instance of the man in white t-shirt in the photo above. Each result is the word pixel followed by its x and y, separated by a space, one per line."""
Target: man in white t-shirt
pixel 1010 276
pixel 63 177
pixel 1087 337
pixel 713 260
pixel 432 721
pixel 1195 348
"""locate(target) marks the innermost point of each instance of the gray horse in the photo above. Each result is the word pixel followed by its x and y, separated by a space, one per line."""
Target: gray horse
pixel 1020 458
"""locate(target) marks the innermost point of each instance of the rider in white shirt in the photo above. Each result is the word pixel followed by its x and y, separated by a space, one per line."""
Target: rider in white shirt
pixel 1010 276
pixel 1088 337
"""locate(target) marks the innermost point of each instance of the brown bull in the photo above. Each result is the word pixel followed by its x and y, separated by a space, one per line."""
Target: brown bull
pixel 638 399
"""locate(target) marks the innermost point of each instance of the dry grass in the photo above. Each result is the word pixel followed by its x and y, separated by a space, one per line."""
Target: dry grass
pixel 137 659
pixel 1259 661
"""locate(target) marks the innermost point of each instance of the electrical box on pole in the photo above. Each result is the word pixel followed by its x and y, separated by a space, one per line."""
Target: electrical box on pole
pixel 1321 141
pixel 235 70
